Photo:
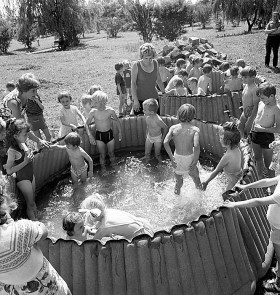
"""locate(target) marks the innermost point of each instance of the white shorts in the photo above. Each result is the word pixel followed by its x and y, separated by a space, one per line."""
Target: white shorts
pixel 183 163
pixel 154 139
pixel 78 173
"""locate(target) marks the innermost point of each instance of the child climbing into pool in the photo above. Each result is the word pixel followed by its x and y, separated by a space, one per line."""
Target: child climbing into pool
pixel 187 148
pixel 231 161
pixel 273 216
pixel 77 157
pixel 112 223
pixel 156 129
pixel 20 162
pixel 104 137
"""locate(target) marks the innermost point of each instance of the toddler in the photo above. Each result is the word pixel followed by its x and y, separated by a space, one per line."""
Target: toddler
pixel 10 86
pixel 179 89
pixel 20 162
pixel 121 90
pixel 94 88
pixel 250 100
pixel 127 80
pixel 171 84
pixel 86 103
pixel 196 69
pixel 104 137
pixel 205 81
pixel 112 223
pixel 187 149
pixel 234 83
pixel 77 157
pixel 231 162
pixel 163 71
pixel 180 65
pixel 241 64
pixel 195 90
pixel 156 129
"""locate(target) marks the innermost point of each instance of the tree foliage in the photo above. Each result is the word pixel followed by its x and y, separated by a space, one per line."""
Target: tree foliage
pixel 6 35
pixel 203 11
pixel 170 19
pixel 142 15
pixel 112 26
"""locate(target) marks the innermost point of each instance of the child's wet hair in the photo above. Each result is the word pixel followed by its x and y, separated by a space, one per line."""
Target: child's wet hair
pixel 2 125
pixel 232 135
pixel 73 138
pixel 179 82
pixel 197 60
pixel 86 98
pixel 180 62
pixel 126 62
pixel 152 104
pixel 161 61
pixel 266 89
pixel 118 66
pixel 147 48
pixel 94 201
pixel 26 82
pixel 100 96
pixel 69 221
pixel 207 69
pixel 11 85
pixel 13 127
pixel 94 88
pixel 193 79
pixel 224 66
pixel 64 94
pixel 182 73
pixel 186 113
pixel 248 72
pixel 234 71
pixel 240 63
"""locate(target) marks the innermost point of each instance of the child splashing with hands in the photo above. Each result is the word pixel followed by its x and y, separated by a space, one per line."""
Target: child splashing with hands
pixel 104 136
pixel 155 125
pixel 20 162
pixel 187 148
pixel 231 161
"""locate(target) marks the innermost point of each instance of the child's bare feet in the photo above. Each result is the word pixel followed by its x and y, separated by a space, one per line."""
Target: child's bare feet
pixel 103 170
pixel 145 159
pixel 159 158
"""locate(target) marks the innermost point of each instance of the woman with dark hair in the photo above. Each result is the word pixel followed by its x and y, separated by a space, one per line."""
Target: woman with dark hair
pixel 144 77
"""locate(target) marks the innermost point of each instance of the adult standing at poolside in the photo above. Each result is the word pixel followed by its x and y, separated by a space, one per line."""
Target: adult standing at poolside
pixel 23 268
pixel 16 100
pixel 273 39
pixel 144 77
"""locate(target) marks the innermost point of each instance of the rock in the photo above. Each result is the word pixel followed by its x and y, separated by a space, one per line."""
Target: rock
pixel 180 44
pixel 200 49
pixel 167 59
pixel 216 62
pixel 203 40
pixel 207 46
pixel 167 48
pixel 175 53
pixel 212 51
pixel 194 41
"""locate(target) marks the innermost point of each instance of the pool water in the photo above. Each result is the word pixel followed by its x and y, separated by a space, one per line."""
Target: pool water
pixel 145 190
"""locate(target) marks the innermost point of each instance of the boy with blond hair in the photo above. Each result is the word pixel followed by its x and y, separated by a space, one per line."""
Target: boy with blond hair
pixel 187 149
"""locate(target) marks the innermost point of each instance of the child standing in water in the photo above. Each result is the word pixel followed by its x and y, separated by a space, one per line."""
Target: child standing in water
pixel 231 161
pixel 77 157
pixel 104 136
pixel 20 162
pixel 155 126
pixel 187 148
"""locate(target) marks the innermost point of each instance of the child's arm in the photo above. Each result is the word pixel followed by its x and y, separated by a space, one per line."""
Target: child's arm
pixel 39 103
pixel 63 122
pixel 159 82
pixel 166 144
pixel 223 162
pixel 90 136
pixel 115 117
pixel 164 127
pixel 58 147
pixel 266 182
pixel 196 149
pixel 10 168
pixel 210 85
pixel 89 160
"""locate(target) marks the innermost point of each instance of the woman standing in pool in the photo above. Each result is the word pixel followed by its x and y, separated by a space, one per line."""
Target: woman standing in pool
pixel 144 77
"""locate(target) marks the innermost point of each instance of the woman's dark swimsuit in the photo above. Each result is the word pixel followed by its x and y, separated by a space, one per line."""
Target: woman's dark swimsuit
pixel 106 136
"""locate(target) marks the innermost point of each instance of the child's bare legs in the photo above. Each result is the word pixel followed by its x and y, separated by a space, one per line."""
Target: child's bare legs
pixel 28 190
pixel 258 154
pixel 38 134
pixel 111 152
pixel 102 151
pixel 148 149
pixel 194 174
pixel 83 176
pixel 121 103
pixel 158 150
pixel 47 134
pixel 178 184
pixel 75 179
pixel 241 125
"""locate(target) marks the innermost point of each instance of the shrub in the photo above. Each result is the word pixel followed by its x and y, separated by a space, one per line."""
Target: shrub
pixel 6 35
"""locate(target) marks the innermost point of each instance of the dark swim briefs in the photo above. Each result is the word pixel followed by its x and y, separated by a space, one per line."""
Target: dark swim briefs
pixel 262 138
pixel 106 136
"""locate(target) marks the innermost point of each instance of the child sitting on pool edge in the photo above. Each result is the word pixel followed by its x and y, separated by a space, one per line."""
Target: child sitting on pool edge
pixel 155 125
pixel 77 157
pixel 104 137
pixel 231 161
pixel 187 148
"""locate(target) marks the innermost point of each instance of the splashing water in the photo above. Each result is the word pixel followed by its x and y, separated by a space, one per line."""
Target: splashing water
pixel 143 190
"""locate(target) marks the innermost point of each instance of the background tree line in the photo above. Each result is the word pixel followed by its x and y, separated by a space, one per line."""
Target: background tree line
pixel 68 20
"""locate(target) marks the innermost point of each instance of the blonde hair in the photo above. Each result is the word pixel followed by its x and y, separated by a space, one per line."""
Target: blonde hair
pixel 86 98
pixel 94 88
pixel 100 96
pixel 94 201
pixel 147 48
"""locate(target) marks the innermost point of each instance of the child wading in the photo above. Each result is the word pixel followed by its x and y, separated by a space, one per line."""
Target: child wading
pixel 187 148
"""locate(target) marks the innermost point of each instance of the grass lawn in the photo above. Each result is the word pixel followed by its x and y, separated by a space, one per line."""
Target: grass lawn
pixel 92 62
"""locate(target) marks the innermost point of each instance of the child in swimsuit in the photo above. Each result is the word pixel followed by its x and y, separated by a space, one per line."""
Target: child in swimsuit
pixel 77 157
pixel 231 161
pixel 112 223
pixel 179 90
pixel 20 162
pixel 155 126
pixel 187 149
pixel 104 136
pixel 266 123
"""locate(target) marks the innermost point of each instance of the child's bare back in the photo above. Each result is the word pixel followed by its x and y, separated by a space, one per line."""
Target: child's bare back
pixel 205 83
pixel 154 125
pixel 249 99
